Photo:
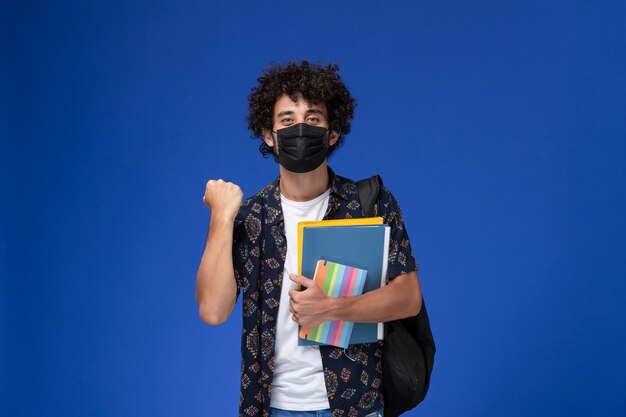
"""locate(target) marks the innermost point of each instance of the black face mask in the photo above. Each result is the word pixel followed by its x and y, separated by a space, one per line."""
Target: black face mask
pixel 302 147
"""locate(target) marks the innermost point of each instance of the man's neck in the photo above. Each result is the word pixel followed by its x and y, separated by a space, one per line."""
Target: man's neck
pixel 305 186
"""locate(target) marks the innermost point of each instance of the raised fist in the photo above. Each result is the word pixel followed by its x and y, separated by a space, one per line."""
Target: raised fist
pixel 223 198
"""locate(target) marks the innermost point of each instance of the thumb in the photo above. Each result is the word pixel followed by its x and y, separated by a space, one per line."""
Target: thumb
pixel 299 279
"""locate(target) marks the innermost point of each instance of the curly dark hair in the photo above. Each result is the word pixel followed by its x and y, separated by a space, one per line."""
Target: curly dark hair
pixel 318 84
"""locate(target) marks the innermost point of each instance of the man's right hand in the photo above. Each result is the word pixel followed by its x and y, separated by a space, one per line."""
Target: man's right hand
pixel 216 287
pixel 223 198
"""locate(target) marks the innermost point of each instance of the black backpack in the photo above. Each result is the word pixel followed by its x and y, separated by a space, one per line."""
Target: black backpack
pixel 409 347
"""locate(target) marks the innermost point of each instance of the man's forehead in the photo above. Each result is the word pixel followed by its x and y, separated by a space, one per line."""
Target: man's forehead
pixel 296 102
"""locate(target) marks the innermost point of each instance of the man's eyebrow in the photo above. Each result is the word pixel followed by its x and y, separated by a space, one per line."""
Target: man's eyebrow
pixel 291 112
pixel 284 113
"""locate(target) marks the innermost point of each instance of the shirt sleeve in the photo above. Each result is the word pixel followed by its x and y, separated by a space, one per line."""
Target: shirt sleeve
pixel 401 260
pixel 239 254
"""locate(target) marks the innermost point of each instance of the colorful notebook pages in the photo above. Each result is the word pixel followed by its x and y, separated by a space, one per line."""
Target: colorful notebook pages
pixel 336 280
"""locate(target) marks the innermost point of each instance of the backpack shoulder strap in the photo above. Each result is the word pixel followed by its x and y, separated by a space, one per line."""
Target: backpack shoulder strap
pixel 368 189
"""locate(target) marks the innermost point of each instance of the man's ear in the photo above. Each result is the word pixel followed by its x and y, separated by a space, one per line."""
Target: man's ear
pixel 333 137
pixel 268 137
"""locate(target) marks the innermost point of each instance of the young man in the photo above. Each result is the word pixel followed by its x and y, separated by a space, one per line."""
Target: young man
pixel 301 112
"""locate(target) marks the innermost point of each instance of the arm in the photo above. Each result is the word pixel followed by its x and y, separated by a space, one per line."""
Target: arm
pixel 402 297
pixel 216 288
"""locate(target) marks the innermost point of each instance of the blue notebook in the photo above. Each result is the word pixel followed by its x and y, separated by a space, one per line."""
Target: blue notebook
pixel 363 247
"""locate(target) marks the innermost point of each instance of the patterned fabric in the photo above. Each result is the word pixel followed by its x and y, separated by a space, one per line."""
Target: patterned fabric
pixel 353 376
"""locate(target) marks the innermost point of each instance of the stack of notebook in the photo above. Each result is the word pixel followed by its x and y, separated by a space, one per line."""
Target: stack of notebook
pixel 346 258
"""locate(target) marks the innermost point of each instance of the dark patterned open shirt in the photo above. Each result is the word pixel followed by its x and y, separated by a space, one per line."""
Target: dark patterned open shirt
pixel 353 377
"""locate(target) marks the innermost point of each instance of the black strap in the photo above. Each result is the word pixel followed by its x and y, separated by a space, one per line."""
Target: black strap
pixel 368 189
pixel 409 349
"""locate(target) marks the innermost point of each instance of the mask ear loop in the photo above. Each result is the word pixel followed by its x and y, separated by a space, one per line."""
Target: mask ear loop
pixel 328 146
pixel 275 147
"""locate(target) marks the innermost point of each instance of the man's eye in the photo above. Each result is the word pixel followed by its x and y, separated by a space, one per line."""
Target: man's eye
pixel 313 119
pixel 286 120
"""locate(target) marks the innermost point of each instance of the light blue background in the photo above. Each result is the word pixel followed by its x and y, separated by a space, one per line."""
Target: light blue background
pixel 499 126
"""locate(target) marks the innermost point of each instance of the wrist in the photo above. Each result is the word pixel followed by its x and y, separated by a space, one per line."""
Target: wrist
pixel 337 307
pixel 219 218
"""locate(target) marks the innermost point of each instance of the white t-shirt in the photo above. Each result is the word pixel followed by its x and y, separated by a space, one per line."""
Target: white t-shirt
pixel 298 382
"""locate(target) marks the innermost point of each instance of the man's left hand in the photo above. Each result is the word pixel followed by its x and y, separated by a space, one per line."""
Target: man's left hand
pixel 310 306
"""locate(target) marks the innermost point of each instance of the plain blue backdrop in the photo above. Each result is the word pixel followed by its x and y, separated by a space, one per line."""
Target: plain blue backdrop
pixel 499 126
